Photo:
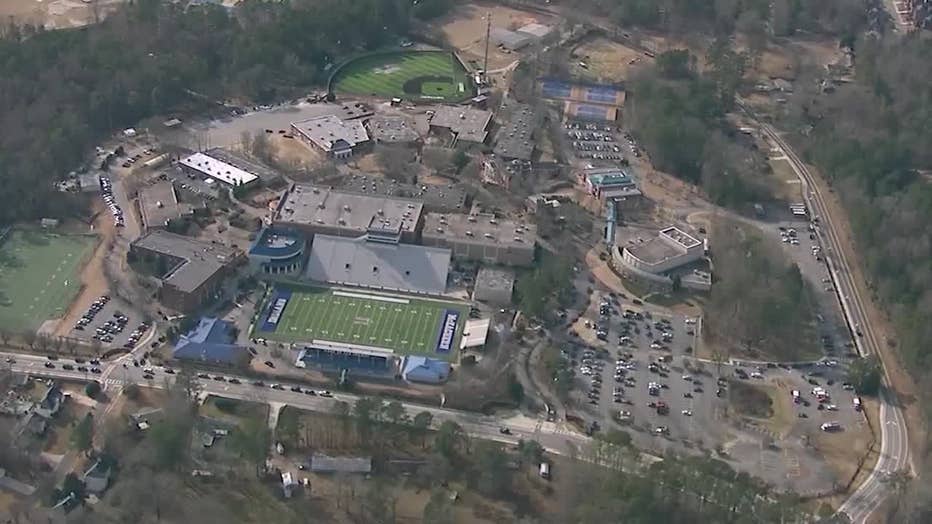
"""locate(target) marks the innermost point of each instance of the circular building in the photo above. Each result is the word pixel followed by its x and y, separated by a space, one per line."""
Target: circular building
pixel 278 252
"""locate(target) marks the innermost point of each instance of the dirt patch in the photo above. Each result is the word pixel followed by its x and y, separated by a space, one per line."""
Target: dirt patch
pixel 750 401
pixel 93 282
pixel 607 61
pixel 465 29
pixel 783 182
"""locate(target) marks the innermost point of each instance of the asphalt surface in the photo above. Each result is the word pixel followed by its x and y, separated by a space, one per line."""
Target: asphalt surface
pixel 556 438
pixel 894 450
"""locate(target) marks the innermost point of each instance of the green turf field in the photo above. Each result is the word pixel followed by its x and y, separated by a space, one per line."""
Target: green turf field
pixel 409 329
pixel 39 276
pixel 418 75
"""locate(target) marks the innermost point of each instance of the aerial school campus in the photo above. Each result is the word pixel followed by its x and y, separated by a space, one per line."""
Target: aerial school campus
pixel 470 219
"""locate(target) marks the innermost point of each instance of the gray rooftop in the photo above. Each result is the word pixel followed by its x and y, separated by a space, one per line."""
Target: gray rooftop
pixel 325 464
pixel 314 205
pixel 495 278
pixel 392 129
pixel 158 204
pixel 331 132
pixel 510 39
pixel 234 159
pixel 653 251
pixel 516 137
pixel 197 261
pixel 436 197
pixel 467 123
pixel 480 229
pixel 357 261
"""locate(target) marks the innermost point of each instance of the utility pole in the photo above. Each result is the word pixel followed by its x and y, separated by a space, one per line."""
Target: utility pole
pixel 488 33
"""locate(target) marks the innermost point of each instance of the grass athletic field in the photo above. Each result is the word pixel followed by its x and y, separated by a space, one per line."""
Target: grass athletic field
pixel 408 326
pixel 421 75
pixel 39 276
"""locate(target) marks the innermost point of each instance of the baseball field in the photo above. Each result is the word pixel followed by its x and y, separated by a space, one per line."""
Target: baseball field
pixel 417 75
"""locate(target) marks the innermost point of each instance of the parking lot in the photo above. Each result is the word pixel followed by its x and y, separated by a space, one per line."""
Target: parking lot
pixel 634 374
pixel 802 246
pixel 111 323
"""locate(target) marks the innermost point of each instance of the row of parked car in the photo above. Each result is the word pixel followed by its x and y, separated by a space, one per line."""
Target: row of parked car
pixel 106 187
pixel 91 312
pixel 136 335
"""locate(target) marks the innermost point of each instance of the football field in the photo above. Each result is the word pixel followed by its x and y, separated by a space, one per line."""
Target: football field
pixel 40 274
pixel 404 325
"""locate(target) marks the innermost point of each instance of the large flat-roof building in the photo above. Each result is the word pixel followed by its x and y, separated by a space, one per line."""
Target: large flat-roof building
pixel 465 123
pixel 226 167
pixel 193 270
pixel 333 136
pixel 405 268
pixel 511 40
pixel 494 285
pixel 610 183
pixel 515 140
pixel 392 129
pixel 158 204
pixel 482 237
pixel 439 198
pixel 321 210
pixel 670 249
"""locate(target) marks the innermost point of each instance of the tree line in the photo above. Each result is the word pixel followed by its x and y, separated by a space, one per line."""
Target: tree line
pixel 61 92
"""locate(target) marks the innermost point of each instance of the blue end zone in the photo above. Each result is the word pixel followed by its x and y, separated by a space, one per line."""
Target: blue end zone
pixel 275 310
pixel 447 330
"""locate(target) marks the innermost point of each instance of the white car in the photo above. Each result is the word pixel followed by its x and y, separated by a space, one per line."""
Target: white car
pixel 831 407
pixel 687 412
pixel 687 378
pixel 757 375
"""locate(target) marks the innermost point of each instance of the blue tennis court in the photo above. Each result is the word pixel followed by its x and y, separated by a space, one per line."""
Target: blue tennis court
pixel 555 89
pixel 591 112
pixel 607 95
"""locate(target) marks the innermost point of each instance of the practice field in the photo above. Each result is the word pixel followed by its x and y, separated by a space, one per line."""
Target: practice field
pixel 408 326
pixel 39 276
pixel 417 75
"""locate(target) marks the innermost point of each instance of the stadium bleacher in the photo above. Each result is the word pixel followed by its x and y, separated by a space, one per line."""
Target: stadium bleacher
pixel 356 363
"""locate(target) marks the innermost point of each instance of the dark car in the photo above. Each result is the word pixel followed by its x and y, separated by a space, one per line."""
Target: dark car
pixel 269 363
pixel 50 365
pixel 68 367
pixel 296 389
pixel 96 371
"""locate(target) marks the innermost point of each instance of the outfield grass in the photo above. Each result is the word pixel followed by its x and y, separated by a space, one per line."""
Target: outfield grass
pixel 410 328
pixel 39 276
pixel 439 73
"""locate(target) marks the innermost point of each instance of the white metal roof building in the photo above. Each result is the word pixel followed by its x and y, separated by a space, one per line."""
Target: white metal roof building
pixel 206 165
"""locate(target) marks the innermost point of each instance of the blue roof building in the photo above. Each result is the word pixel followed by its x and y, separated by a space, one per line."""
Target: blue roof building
pixel 426 370
pixel 212 341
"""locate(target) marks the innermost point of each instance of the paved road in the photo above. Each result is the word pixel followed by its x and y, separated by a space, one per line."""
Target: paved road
pixel 556 438
pixel 894 450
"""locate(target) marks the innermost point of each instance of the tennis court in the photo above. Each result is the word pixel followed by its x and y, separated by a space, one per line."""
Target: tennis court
pixel 427 75
pixel 359 318
pixel 39 276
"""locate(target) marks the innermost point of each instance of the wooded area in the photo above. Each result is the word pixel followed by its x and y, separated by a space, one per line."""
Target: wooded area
pixel 63 91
